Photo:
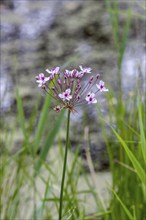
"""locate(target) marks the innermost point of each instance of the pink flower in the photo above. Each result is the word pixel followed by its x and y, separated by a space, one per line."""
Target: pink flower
pixel 85 69
pixel 90 98
pixel 101 86
pixel 41 79
pixel 66 95
pixel 53 71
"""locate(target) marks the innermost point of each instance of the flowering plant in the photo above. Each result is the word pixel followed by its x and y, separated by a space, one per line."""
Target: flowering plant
pixel 69 90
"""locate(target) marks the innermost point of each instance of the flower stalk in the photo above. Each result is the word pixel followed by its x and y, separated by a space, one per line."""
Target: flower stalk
pixel 70 90
pixel 64 166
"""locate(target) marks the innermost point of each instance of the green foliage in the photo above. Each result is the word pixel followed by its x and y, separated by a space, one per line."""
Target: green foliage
pixel 137 166
pixel 124 207
pixel 21 116
pixel 49 140
pixel 41 124
pixel 128 163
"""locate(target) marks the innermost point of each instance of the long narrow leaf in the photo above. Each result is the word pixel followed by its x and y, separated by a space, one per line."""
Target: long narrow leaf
pixel 142 135
pixel 140 171
pixel 49 140
pixel 21 116
pixel 124 207
pixel 42 120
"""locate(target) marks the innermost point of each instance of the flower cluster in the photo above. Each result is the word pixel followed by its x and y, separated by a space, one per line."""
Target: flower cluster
pixel 69 89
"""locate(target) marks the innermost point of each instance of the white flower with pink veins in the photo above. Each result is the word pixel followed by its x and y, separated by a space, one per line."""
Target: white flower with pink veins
pixel 41 79
pixel 90 98
pixel 101 86
pixel 66 95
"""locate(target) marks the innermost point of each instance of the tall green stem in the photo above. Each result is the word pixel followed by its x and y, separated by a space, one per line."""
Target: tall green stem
pixel 64 166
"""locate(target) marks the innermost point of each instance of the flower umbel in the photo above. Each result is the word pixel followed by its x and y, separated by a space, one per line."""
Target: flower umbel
pixel 69 88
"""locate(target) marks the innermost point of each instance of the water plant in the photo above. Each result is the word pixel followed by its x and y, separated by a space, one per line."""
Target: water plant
pixel 22 197
pixel 68 90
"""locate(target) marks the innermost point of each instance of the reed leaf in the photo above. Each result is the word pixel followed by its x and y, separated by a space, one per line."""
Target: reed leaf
pixel 42 122
pixel 140 171
pixel 49 141
pixel 129 215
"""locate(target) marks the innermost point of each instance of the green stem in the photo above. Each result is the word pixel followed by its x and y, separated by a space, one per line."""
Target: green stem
pixel 64 166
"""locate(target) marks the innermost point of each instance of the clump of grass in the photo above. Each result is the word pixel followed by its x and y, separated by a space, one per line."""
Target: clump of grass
pixel 128 163
pixel 127 146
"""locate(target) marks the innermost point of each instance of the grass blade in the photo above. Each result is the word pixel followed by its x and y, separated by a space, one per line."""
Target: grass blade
pixel 49 140
pixel 136 164
pixel 124 207
pixel 142 135
pixel 21 116
pixel 41 123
